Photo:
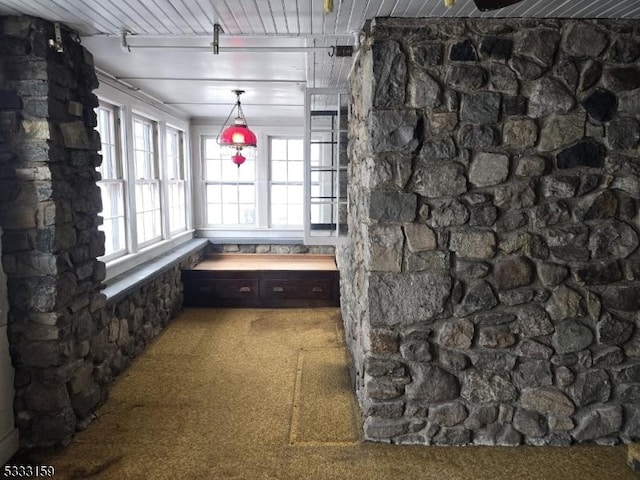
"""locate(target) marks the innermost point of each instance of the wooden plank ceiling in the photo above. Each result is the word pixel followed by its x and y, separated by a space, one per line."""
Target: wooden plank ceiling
pixel 280 40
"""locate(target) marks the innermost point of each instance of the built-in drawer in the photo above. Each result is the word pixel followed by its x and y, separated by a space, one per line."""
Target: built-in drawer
pixel 228 292
pixel 311 289
pixel 271 289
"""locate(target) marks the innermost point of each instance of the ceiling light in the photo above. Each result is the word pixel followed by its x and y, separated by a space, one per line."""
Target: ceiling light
pixel 237 135
pixel 328 6
pixel 449 3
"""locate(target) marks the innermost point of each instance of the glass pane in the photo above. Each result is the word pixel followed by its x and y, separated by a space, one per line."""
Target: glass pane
pixel 247 171
pixel 211 148
pixel 214 214
pixel 295 194
pixel 278 149
pixel 295 214
pixel 213 169
pixel 296 150
pixel 296 171
pixel 230 214
pixel 279 194
pixel 230 171
pixel 246 194
pixel 279 171
pixel 229 193
pixel 247 214
pixel 214 194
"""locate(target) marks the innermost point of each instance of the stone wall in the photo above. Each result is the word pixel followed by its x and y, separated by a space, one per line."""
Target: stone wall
pixel 129 322
pixel 281 249
pixel 67 344
pixel 491 285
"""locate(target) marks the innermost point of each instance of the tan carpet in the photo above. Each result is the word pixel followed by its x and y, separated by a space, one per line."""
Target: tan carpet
pixel 264 394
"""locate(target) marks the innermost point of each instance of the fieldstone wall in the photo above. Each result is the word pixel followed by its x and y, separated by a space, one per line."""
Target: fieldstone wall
pixel 281 249
pixel 66 343
pixel 129 322
pixel 491 286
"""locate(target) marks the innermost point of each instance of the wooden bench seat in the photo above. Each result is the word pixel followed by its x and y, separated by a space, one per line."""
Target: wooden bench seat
pixel 262 280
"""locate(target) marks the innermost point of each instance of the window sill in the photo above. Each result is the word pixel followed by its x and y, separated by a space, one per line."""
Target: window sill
pixel 252 236
pixel 123 284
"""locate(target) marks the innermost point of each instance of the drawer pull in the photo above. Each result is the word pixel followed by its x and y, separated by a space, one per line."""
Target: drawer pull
pixel 244 289
pixel 317 290
pixel 278 289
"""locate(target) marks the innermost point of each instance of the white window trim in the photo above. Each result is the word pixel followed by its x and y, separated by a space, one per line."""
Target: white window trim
pixel 182 158
pixel 116 132
pixel 130 103
pixel 261 231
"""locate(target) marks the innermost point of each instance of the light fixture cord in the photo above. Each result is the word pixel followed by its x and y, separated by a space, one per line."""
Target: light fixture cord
pixel 228 117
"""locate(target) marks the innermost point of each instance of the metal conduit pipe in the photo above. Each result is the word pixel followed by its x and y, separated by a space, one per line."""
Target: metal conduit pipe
pixel 227 49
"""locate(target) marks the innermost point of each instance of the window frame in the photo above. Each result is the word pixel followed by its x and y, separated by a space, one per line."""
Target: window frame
pixel 118 176
pixel 130 103
pixel 288 182
pixel 261 232
pixel 178 161
pixel 222 183
pixel 152 169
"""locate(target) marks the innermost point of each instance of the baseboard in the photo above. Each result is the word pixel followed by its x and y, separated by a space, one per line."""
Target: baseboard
pixel 8 446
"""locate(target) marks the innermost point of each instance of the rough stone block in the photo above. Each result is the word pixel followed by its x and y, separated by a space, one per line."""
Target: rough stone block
pixel 486 387
pixel 473 244
pixel 488 169
pixel 538 45
pixel 560 131
pixel 419 237
pixel 392 206
pixel 385 246
pixel 512 273
pixel 547 400
pixel 597 422
pixel 390 73
pixel 424 296
pixel 519 133
pixel 439 179
pixel 480 108
pixel 456 334
pixel 432 384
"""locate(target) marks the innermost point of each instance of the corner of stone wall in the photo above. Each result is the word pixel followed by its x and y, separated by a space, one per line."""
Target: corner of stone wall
pixel 491 286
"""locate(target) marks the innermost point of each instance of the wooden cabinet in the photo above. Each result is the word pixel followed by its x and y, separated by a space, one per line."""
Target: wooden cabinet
pixel 223 286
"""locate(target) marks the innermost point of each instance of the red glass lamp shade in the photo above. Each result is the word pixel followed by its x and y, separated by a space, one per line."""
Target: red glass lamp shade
pixel 238 136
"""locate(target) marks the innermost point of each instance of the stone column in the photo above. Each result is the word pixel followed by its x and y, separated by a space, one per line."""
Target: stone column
pixel 490 287
pixel 49 205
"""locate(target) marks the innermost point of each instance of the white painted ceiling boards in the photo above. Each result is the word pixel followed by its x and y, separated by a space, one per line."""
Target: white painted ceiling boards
pixel 270 48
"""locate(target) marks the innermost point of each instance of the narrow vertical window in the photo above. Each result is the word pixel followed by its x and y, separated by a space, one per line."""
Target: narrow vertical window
pixel 286 182
pixel 176 180
pixel 230 191
pixel 112 184
pixel 147 181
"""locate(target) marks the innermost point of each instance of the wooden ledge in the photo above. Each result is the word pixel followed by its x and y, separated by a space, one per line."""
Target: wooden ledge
pixel 268 262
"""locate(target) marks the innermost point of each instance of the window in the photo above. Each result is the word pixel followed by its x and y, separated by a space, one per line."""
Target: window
pixel 147 181
pixel 230 191
pixel 175 180
pixel 112 184
pixel 327 113
pixel 264 196
pixel 286 181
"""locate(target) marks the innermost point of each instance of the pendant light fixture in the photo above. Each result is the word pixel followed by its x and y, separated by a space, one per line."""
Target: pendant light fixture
pixel 237 135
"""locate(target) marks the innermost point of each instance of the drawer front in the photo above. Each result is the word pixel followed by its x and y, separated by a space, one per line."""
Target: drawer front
pixel 223 292
pixel 314 289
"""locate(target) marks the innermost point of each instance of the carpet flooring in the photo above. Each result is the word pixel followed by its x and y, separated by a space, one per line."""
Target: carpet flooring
pixel 264 394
